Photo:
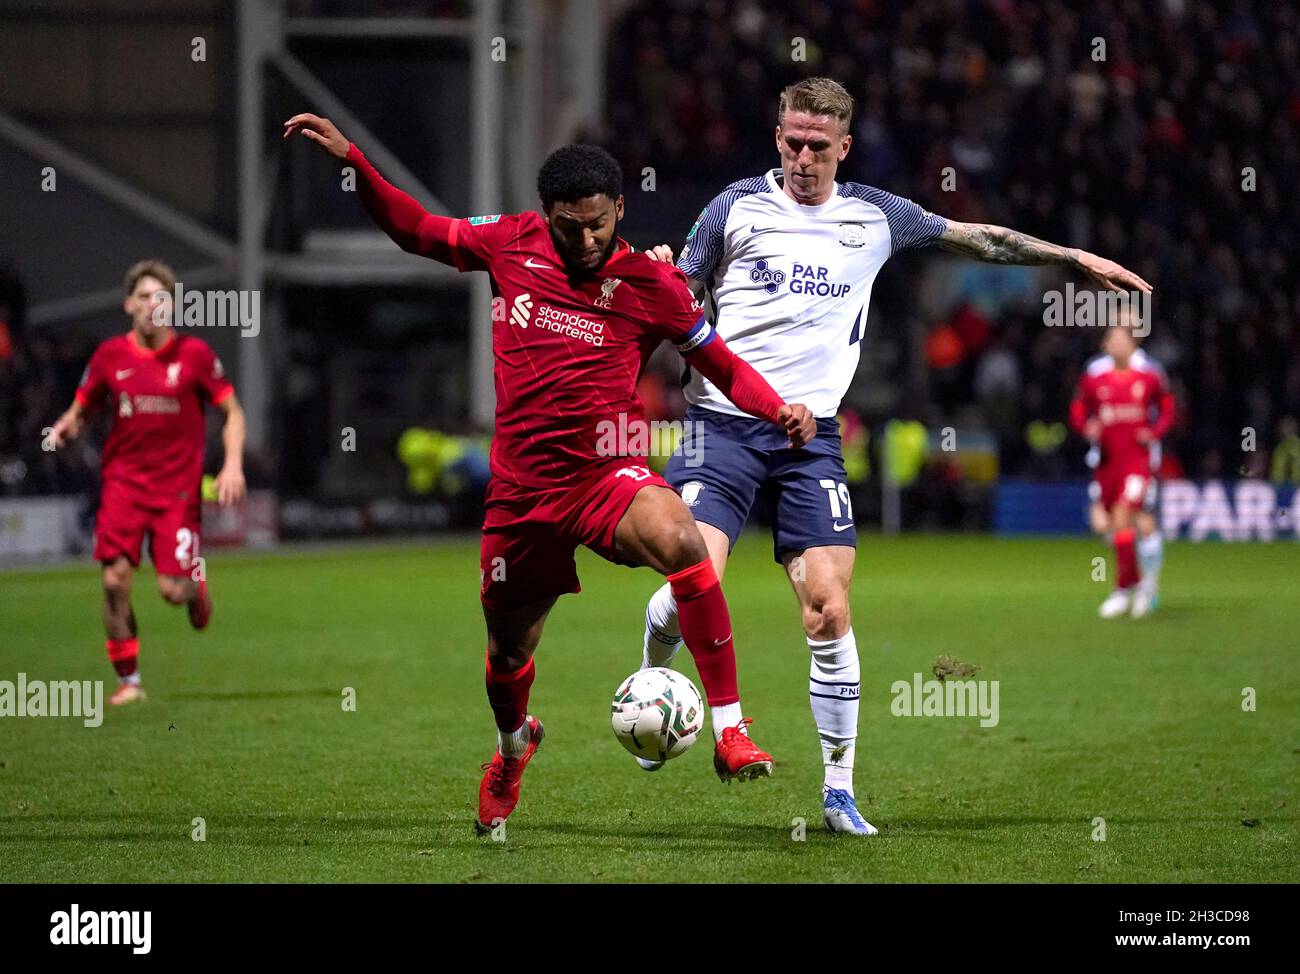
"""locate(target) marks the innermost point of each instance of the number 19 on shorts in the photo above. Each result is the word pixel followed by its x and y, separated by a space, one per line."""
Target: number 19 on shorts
pixel 841 505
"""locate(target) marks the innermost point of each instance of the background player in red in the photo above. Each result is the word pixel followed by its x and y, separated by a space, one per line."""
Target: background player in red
pixel 576 315
pixel 156 382
pixel 1123 406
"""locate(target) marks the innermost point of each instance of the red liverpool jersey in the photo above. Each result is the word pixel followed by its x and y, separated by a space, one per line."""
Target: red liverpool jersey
pixel 568 351
pixel 1125 401
pixel 156 443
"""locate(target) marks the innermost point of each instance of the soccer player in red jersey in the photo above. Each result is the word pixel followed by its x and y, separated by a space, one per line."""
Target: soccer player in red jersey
pixel 578 313
pixel 1123 407
pixel 157 383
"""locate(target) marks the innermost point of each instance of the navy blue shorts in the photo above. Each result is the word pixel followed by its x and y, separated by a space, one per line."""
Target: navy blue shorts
pixel 725 462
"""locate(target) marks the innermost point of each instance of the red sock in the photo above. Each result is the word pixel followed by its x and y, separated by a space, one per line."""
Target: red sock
pixel 123 654
pixel 1126 566
pixel 706 629
pixel 507 692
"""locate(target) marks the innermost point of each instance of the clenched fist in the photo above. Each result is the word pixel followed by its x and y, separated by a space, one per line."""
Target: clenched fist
pixel 798 422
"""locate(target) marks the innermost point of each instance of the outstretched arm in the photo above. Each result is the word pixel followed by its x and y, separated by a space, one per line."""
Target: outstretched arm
pixel 1000 245
pixel 410 225
pixel 739 382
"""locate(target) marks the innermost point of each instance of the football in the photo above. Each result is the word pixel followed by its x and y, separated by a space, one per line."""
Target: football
pixel 657 714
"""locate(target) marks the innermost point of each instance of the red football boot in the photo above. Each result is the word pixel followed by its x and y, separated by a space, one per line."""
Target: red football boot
pixel 201 608
pixel 736 756
pixel 498 793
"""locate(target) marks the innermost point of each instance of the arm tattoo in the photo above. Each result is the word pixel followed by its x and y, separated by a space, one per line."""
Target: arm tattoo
pixel 999 245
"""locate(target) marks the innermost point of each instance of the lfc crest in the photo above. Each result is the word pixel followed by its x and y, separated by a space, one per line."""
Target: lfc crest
pixel 607 288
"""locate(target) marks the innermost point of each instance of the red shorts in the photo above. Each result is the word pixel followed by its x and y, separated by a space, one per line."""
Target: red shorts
pixel 530 534
pixel 1131 484
pixel 173 527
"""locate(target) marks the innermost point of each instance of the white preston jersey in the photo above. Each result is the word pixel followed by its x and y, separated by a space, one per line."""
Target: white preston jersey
pixel 788 285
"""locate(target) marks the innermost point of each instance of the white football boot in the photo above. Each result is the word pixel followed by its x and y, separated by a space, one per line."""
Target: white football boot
pixel 1145 601
pixel 840 812
pixel 1116 604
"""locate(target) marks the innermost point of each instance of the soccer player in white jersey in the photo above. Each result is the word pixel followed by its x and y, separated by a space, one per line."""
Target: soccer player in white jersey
pixel 784 263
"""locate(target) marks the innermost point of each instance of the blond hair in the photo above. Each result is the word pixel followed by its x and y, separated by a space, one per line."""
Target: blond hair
pixel 150 268
pixel 817 96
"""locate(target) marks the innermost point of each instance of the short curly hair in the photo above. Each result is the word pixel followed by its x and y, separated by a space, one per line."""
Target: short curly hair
pixel 574 172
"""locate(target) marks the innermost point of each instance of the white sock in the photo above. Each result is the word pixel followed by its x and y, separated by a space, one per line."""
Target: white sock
pixel 132 679
pixel 833 688
pixel 727 715
pixel 663 636
pixel 515 743
pixel 1151 555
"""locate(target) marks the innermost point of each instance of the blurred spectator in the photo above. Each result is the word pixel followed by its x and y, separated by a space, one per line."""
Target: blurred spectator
pixel 1171 156
pixel 38 373
pixel 1285 470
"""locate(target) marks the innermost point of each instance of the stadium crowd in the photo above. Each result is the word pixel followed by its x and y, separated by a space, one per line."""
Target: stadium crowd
pixel 1166 148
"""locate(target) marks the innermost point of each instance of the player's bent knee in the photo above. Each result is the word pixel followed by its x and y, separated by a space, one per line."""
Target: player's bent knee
pixel 676 545
pixel 510 649
pixel 826 619
pixel 689 544
pixel 117 583
pixel 116 590
pixel 508 659
pixel 174 591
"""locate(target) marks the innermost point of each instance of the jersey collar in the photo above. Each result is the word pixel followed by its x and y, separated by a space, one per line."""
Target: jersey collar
pixel 621 249
pixel 774 181
pixel 149 352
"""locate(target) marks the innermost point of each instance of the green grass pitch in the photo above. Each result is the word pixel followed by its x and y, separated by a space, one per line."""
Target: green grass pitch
pixel 1137 723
